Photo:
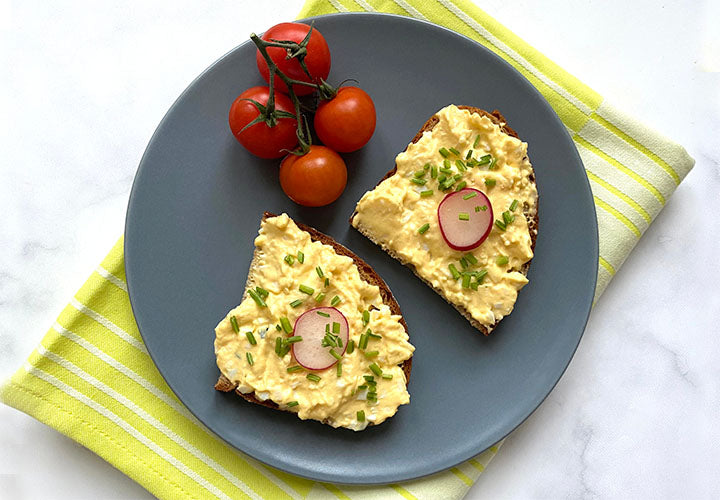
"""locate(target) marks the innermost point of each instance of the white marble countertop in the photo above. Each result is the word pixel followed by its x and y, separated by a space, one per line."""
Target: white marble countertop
pixel 636 415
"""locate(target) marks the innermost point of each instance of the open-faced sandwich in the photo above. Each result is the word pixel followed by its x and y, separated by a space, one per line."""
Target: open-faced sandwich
pixel 317 333
pixel 460 209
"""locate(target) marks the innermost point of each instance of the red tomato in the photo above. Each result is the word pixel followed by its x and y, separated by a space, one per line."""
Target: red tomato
pixel 347 121
pixel 260 139
pixel 314 179
pixel 317 58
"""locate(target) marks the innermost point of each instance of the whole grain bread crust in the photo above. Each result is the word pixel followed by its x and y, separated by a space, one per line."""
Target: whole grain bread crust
pixel 366 273
pixel 530 215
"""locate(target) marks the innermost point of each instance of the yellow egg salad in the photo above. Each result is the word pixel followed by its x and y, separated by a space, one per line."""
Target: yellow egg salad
pixel 291 274
pixel 463 149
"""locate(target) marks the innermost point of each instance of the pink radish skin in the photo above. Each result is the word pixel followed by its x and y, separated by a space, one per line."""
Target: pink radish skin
pixel 465 234
pixel 309 353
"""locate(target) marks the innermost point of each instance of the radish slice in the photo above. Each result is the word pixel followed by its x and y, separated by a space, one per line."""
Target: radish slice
pixel 463 226
pixel 310 353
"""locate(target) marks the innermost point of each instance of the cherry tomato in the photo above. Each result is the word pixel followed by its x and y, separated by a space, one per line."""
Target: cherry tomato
pixel 314 179
pixel 317 58
pixel 347 121
pixel 259 139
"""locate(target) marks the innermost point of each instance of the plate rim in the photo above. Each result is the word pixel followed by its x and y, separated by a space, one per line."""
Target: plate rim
pixel 591 289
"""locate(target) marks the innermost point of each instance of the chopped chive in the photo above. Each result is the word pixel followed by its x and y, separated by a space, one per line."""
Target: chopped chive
pixel 249 358
pixel 361 416
pixel 286 324
pixel 319 272
pixel 292 403
pixel 300 257
pixel 463 216
pixel 471 194
pixel 371 354
pixel 426 166
pixel 336 327
pixel 464 263
pixel 362 387
pixel 457 177
pixel 387 376
pixel 375 369
pixel 262 292
pixel 350 347
pixel 501 260
pixel 453 270
pixel 313 377
pixel 423 229
pixel 321 313
pixel 489 182
pixel 507 217
pixel 292 369
pixel 258 300
pixel 513 205
pixel 493 162
pixel 460 165
pixel 500 225
pixel 477 208
pixel 339 342
pixel 426 193
pixel 484 160
pixel 334 354
pixel 372 335
pixel 370 379
pixel 466 281
pixel 365 317
pixel 306 289
pixel 455 151
pixel 294 339
pixel 483 208
pixel 327 282
pixel 362 344
pixel 319 298
pixel 472 162
pixel 327 327
pixel 447 164
pixel 445 170
pixel 469 154
pixel 419 182
pixel 442 178
pixel 444 152
pixel 251 338
pixel 474 285
pixel 278 328
pixel 234 323
pixel 335 301
pixel 338 370
pixel 433 171
pixel 447 184
pixel 290 260
pixel 461 186
pixel 477 141
pixel 480 276
pixel 471 258
pixel 278 346
pixel 419 173
pixel 296 302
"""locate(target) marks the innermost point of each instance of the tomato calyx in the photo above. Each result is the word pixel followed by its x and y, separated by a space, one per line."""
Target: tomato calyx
pixel 268 114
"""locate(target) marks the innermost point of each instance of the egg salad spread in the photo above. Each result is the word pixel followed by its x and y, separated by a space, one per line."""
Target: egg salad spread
pixel 463 149
pixel 292 274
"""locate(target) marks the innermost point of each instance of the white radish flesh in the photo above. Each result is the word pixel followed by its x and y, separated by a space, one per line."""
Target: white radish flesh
pixel 311 326
pixel 465 218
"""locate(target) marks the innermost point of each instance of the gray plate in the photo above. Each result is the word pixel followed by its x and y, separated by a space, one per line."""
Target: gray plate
pixel 196 205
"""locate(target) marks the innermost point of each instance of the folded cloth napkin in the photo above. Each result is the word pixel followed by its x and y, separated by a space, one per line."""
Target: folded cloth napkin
pixel 91 377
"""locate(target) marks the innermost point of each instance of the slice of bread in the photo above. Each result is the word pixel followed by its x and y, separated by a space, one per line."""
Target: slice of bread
pixel 367 274
pixel 529 210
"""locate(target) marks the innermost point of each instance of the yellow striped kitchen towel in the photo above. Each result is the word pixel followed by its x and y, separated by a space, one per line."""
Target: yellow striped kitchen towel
pixel 91 377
